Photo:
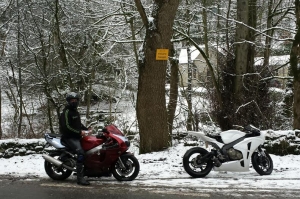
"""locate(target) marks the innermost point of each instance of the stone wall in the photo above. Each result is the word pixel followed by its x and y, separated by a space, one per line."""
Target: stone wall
pixel 283 142
pixel 21 147
pixel 277 143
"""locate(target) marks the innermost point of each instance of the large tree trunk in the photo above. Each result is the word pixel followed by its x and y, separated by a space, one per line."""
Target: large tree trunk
pixel 243 93
pixel 294 60
pixel 151 100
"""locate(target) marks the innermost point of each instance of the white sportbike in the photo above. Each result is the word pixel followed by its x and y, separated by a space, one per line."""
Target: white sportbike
pixel 231 150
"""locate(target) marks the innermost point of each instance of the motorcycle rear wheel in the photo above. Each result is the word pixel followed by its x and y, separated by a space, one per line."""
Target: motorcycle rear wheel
pixel 192 164
pixel 131 170
pixel 54 172
pixel 263 165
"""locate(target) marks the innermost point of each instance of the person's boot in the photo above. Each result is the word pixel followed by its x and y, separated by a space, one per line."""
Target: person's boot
pixel 80 175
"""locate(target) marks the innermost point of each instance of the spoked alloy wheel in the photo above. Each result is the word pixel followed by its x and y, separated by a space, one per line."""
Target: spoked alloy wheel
pixel 130 171
pixel 54 172
pixel 262 164
pixel 193 165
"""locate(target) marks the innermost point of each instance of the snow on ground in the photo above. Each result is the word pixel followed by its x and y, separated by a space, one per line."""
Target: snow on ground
pixel 164 169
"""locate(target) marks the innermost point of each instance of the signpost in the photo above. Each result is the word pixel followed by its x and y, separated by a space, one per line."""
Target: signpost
pixel 162 54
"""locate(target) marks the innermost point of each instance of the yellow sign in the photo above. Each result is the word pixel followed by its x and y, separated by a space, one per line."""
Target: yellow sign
pixel 162 54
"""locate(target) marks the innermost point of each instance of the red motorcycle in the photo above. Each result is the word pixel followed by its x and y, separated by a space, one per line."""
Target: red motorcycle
pixel 105 154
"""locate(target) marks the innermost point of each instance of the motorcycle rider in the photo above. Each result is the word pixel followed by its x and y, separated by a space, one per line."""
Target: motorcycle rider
pixel 72 131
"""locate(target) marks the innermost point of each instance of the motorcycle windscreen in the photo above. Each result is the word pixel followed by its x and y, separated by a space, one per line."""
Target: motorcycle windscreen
pixel 113 129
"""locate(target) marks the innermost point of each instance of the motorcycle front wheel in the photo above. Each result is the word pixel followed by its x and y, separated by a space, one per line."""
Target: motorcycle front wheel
pixel 194 166
pixel 262 164
pixel 54 172
pixel 130 170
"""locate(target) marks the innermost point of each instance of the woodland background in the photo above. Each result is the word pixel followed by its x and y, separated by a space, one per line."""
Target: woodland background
pixel 105 50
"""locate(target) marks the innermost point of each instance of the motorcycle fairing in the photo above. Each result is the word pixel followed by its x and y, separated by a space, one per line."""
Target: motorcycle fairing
pixel 100 150
pixel 90 142
pixel 231 135
pixel 246 146
pixel 239 141
pixel 121 141
pixel 205 138
pixel 94 150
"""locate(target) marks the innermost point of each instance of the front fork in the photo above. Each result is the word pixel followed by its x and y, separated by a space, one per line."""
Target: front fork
pixel 263 157
pixel 262 152
pixel 121 163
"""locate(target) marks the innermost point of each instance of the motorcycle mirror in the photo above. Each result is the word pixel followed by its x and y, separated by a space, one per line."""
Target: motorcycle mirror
pixel 104 130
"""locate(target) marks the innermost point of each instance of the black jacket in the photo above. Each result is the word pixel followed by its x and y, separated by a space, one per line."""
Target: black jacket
pixel 70 125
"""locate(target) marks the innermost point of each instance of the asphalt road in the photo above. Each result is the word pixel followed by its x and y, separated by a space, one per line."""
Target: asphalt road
pixel 16 188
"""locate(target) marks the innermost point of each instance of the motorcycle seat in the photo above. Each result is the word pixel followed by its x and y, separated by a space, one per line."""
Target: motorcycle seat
pixel 54 135
pixel 68 148
pixel 216 137
pixel 64 143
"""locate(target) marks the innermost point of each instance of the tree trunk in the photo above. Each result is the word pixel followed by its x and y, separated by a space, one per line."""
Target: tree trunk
pixel 151 100
pixel 132 28
pixel 1 132
pixel 88 93
pixel 50 116
pixel 174 79
pixel 294 60
pixel 3 35
pixel 61 45
pixel 189 122
pixel 296 110
pixel 242 46
pixel 227 26
pixel 205 27
pixel 269 33
pixel 244 93
pixel 19 75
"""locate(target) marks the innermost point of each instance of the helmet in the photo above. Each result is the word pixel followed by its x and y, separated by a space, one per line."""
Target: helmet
pixel 73 95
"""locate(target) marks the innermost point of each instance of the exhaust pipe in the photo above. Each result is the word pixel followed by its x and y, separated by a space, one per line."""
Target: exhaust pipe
pixel 52 160
pixel 56 162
